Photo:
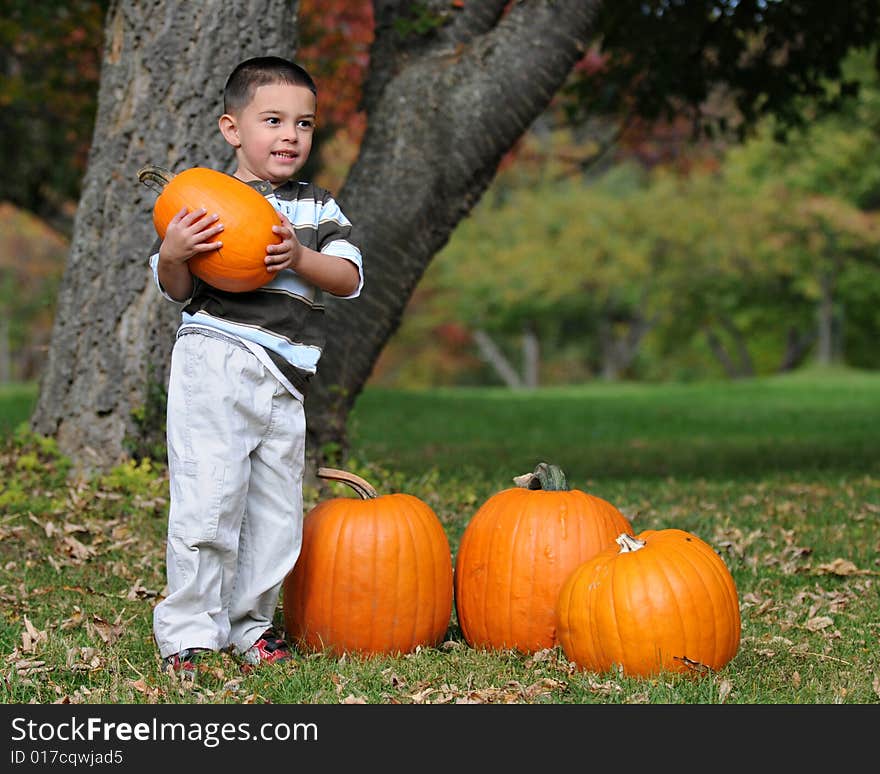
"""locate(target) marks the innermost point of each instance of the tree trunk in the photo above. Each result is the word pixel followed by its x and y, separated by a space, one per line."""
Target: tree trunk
pixel 797 345
pixel 619 350
pixel 746 367
pixel 531 348
pixel 443 106
pixel 162 76
pixel 492 354
pixel 5 354
pixel 720 351
pixel 825 321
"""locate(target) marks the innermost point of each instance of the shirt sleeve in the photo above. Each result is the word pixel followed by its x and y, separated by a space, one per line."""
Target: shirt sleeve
pixel 334 238
pixel 154 267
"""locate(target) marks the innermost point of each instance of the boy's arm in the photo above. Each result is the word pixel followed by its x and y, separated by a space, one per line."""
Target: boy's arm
pixel 339 274
pixel 332 273
pixel 188 234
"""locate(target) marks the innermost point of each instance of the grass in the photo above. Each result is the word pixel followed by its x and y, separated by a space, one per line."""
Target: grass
pixel 781 476
pixel 17 401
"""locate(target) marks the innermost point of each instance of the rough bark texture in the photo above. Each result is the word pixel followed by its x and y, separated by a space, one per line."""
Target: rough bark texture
pixel 444 105
pixel 162 76
pixel 443 109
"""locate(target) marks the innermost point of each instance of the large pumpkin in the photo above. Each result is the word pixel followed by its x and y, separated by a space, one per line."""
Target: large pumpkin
pixel 516 552
pixel 661 601
pixel 246 215
pixel 374 574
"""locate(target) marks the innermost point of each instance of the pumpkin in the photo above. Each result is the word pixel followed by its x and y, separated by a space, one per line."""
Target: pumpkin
pixel 516 552
pixel 246 215
pixel 661 601
pixel 374 575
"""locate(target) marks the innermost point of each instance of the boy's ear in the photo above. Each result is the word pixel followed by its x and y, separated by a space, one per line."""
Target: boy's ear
pixel 229 130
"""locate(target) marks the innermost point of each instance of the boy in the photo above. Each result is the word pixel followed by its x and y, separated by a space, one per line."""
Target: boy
pixel 239 370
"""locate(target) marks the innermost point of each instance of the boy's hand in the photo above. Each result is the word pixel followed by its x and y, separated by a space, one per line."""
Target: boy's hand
pixel 188 234
pixel 286 254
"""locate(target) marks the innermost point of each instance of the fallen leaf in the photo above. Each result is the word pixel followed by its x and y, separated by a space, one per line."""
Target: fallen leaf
pixel 818 623
pixel 108 632
pixel 30 637
pixel 79 551
pixel 841 567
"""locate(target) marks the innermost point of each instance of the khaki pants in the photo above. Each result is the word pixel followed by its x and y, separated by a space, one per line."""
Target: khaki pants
pixel 236 453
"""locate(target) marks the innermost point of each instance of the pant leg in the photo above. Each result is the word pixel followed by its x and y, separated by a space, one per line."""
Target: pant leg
pixel 218 408
pixel 271 533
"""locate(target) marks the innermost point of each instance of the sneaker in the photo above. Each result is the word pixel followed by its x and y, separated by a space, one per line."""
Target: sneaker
pixel 184 662
pixel 269 649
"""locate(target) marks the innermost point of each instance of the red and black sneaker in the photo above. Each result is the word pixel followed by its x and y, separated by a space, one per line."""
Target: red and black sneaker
pixel 184 662
pixel 269 649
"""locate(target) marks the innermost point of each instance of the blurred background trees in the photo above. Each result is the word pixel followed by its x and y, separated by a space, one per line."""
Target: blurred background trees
pixel 669 217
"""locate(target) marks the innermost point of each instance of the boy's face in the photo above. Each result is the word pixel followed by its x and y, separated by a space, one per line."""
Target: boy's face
pixel 272 134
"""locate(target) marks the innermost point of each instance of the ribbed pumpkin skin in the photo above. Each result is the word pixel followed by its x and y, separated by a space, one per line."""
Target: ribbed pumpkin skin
pixel 514 556
pixel 651 610
pixel 374 576
pixel 247 220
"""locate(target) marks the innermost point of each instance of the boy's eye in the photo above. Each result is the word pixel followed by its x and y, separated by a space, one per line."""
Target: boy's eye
pixel 273 121
pixel 306 123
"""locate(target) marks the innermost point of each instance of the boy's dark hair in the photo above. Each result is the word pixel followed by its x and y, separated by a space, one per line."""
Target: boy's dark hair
pixel 261 71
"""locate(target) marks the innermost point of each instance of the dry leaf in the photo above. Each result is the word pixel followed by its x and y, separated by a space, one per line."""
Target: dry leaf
pixel 75 620
pixel 840 567
pixel 30 637
pixel 83 660
pixel 139 591
pixel 818 623
pixel 79 551
pixel 543 686
pixel 108 632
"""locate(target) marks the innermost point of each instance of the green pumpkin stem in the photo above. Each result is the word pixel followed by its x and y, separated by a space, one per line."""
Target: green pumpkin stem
pixel 549 478
pixel 155 178
pixel 361 486
pixel 628 543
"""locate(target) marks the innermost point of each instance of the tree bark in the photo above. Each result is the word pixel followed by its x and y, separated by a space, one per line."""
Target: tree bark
pixel 444 103
pixel 162 75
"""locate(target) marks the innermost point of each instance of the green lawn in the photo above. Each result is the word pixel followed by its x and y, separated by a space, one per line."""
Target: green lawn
pixel 16 403
pixel 781 476
pixel 622 431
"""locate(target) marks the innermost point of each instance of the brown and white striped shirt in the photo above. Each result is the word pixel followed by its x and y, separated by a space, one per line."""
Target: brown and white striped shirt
pixel 283 321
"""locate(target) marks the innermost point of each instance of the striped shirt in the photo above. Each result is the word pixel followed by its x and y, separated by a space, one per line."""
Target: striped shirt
pixel 282 322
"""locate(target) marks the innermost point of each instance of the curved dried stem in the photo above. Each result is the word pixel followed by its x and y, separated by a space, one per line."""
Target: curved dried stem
pixel 154 178
pixel 360 485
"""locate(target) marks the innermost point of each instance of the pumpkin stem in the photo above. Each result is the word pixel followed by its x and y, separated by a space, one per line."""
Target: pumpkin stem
pixel 154 178
pixel 361 486
pixel 628 543
pixel 550 478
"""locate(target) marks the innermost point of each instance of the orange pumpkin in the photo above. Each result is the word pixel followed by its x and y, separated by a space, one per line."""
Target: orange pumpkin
pixel 517 551
pixel 663 600
pixel 246 215
pixel 374 575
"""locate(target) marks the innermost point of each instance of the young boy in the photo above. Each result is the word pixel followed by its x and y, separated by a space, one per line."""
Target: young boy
pixel 239 370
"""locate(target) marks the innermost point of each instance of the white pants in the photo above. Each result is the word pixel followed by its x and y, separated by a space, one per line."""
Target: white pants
pixel 236 454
